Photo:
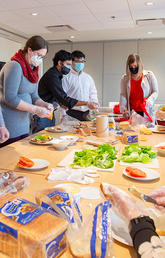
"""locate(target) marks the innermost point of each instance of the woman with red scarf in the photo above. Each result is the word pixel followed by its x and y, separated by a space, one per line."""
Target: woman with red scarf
pixel 19 89
pixel 139 89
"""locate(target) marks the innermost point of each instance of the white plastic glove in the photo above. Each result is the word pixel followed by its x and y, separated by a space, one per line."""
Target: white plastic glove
pixel 4 134
pixel 93 105
pixel 49 106
pixel 159 195
pixel 122 204
pixel 42 111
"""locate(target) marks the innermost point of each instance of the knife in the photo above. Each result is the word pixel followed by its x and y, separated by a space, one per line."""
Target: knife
pixel 141 196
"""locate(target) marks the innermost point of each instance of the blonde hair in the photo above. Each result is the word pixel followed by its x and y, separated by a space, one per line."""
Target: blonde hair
pixel 130 60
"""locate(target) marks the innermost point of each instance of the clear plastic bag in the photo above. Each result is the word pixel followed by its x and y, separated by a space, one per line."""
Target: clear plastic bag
pixel 11 182
pixel 137 119
pixel 92 237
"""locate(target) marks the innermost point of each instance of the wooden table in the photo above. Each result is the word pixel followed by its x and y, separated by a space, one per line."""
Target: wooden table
pixel 10 154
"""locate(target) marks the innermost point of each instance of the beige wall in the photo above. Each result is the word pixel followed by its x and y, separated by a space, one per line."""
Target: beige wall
pixel 8 49
pixel 106 63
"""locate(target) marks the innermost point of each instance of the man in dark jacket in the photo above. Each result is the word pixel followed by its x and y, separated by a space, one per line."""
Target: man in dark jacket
pixel 50 87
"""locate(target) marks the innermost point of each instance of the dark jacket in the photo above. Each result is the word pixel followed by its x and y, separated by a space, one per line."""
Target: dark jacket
pixel 50 89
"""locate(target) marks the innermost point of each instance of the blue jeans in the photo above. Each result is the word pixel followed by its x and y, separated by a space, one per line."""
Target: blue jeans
pixel 44 122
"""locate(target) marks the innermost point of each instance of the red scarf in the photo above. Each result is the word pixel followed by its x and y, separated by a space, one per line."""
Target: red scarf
pixel 28 72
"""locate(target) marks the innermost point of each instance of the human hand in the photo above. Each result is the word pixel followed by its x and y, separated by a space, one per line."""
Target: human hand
pixel 4 134
pixel 126 114
pixel 42 111
pixel 123 205
pixel 159 195
pixel 49 106
pixel 93 105
pixel 64 107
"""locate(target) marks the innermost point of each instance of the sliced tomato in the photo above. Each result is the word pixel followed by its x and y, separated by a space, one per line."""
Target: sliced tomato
pixel 135 172
pixel 25 162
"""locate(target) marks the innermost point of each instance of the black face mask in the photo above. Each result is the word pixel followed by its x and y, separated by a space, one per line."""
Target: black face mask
pixel 65 70
pixel 134 70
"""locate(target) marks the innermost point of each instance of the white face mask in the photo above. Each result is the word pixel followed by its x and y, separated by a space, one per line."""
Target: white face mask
pixel 36 60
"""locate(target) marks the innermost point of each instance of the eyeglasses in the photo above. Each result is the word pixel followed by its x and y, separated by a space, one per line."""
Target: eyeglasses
pixel 78 61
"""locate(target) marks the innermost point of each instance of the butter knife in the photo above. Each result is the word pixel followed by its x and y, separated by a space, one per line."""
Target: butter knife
pixel 141 196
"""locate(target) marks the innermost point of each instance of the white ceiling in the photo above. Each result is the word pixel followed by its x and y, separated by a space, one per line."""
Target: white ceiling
pixel 91 19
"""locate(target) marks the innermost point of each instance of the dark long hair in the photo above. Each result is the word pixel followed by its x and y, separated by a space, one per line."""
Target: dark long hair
pixel 35 43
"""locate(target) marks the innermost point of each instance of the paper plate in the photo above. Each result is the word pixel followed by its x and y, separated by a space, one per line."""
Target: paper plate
pixel 151 175
pixel 54 129
pixel 42 143
pixel 38 164
pixel 155 130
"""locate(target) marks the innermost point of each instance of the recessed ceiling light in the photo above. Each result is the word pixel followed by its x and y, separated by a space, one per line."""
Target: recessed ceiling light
pixel 113 17
pixel 149 3
pixel 72 37
pixel 149 32
pixel 34 14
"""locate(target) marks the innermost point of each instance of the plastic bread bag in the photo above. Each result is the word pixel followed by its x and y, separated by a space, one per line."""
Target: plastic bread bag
pixel 58 202
pixel 91 236
pixel 136 119
pixel 28 230
pixel 11 182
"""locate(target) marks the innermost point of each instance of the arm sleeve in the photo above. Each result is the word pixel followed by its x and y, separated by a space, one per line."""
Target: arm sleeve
pixel 57 91
pixel 35 95
pixel 1 118
pixel 123 95
pixel 154 87
pixel 12 79
pixel 93 91
pixel 143 235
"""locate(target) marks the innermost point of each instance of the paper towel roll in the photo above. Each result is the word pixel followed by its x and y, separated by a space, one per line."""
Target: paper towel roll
pixel 102 126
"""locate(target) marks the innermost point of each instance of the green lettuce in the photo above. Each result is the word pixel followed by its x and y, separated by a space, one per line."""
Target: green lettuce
pixel 137 153
pixel 101 157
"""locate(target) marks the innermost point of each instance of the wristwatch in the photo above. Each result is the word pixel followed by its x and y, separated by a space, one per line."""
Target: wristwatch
pixel 140 219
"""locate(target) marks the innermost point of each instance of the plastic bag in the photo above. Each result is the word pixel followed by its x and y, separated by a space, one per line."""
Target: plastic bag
pixel 92 237
pixel 10 182
pixel 137 119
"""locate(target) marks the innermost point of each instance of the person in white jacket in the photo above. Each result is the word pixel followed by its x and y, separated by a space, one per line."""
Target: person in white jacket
pixel 79 85
pixel 138 88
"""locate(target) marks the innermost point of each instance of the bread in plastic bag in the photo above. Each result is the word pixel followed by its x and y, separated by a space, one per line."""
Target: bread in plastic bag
pixel 11 182
pixel 91 237
pixel 27 230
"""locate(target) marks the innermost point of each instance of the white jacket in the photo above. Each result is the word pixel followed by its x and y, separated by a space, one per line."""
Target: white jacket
pixel 150 91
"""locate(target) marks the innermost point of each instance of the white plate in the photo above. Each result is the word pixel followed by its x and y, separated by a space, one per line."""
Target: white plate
pixel 151 175
pixel 38 164
pixel 155 130
pixel 69 160
pixel 54 130
pixel 42 143
pixel 120 231
pixel 71 138
pixel 91 193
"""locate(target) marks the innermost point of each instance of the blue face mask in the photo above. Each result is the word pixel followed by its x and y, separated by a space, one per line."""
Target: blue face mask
pixel 79 67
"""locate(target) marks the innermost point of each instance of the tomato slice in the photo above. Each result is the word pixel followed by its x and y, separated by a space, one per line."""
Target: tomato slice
pixel 25 162
pixel 135 172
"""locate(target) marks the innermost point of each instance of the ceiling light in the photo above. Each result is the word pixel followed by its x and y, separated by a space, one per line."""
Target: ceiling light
pixel 72 37
pixel 34 14
pixel 149 3
pixel 113 17
pixel 149 32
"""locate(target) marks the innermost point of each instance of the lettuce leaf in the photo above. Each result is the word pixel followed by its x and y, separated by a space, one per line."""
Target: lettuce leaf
pixel 102 157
